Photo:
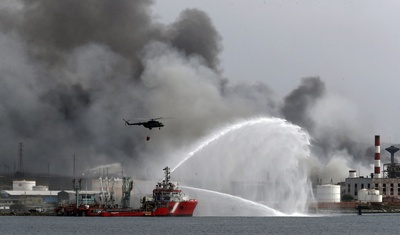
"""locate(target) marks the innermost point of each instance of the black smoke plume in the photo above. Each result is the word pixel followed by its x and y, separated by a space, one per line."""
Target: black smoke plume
pixel 72 70
pixel 298 104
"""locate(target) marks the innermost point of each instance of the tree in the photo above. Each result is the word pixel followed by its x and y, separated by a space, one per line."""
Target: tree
pixel 347 198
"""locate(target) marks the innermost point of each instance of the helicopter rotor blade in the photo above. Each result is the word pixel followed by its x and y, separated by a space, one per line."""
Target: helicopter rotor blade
pixel 157 118
pixel 126 121
pixel 161 118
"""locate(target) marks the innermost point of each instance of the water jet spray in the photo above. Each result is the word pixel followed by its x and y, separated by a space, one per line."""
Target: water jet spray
pixel 260 160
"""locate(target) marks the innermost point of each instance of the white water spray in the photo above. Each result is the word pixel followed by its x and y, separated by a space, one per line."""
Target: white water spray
pixel 257 208
pixel 260 160
pixel 216 136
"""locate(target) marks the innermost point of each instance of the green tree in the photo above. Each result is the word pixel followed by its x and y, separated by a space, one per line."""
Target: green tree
pixel 347 198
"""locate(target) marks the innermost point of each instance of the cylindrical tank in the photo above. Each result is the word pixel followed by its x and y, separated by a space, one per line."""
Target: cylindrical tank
pixel 369 195
pixel 40 188
pixel 328 193
pixel 362 195
pixel 23 185
pixel 352 174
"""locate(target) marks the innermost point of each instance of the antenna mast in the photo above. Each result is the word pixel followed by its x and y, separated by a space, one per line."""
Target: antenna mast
pixel 21 154
pixel 74 166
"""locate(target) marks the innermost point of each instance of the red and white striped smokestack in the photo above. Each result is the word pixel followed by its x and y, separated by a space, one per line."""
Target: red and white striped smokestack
pixel 377 170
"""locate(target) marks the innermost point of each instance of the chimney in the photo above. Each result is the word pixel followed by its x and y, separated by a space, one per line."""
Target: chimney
pixel 352 174
pixel 377 170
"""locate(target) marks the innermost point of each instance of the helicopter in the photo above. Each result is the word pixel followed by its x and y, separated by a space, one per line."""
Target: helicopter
pixel 152 123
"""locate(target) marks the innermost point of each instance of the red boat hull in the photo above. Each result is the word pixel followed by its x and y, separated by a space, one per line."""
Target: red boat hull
pixel 184 208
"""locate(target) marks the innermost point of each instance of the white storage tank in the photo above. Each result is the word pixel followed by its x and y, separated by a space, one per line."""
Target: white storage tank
pixel 369 195
pixel 328 193
pixel 23 185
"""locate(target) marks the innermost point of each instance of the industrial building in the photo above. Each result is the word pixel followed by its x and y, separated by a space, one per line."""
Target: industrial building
pixel 66 197
pixel 386 182
pixel 379 186
pixel 26 195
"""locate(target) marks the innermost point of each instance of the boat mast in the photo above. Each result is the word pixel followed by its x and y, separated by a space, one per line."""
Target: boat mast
pixel 167 176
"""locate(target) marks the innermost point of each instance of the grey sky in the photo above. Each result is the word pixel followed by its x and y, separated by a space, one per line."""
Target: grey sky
pixel 353 46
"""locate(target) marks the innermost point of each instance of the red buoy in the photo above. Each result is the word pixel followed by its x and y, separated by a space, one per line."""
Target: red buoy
pixel 148 138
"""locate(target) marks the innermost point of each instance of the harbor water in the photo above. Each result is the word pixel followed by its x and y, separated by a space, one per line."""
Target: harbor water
pixel 320 224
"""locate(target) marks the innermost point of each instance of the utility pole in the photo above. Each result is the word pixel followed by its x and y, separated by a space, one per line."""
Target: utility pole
pixel 77 185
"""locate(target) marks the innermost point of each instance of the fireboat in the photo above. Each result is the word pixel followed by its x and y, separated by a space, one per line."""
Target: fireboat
pixel 167 200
